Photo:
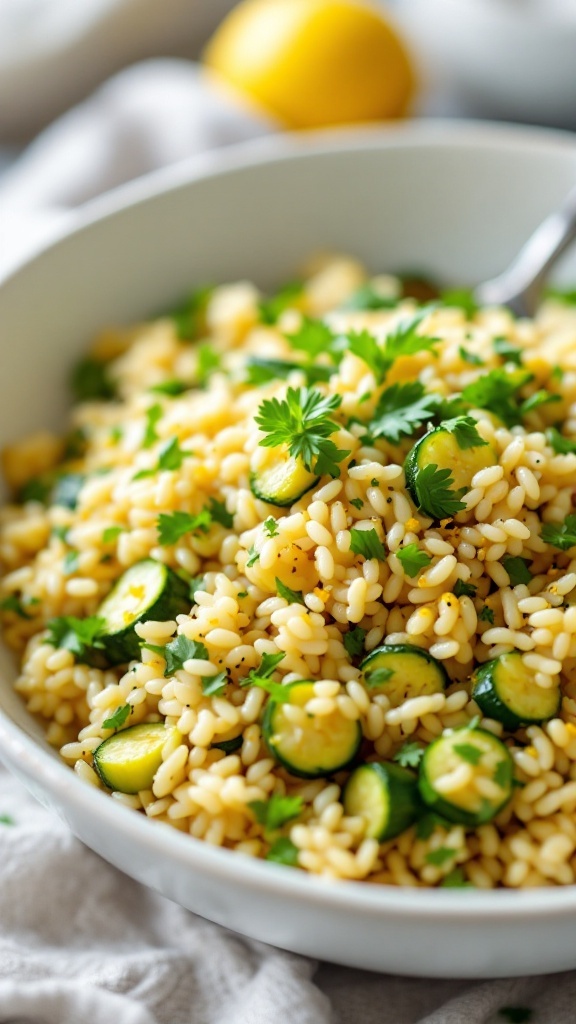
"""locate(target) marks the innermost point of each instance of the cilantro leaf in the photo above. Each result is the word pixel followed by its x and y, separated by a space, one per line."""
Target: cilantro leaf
pixel 508 352
pixel 378 676
pixel 171 455
pixel 538 399
pixel 220 514
pixel 469 752
pixel 208 362
pixel 561 445
pixel 302 421
pixel 269 664
pixel 464 430
pixel 271 309
pixel 261 677
pixel 517 569
pixel 172 388
pixel 253 556
pixel 367 543
pixel 214 686
pixel 462 589
pixel 262 371
pixel 12 603
pixel 90 381
pixel 272 814
pixel 313 337
pixel 353 640
pixel 413 559
pixel 190 317
pixel 434 493
pixel 153 415
pixel 111 532
pixel 461 298
pixel 486 615
pixel 357 503
pixel 292 596
pixel 283 851
pixel 456 879
pixel 174 525
pixel 496 391
pixel 401 410
pixel 469 357
pixel 177 651
pixel 401 341
pixel 409 755
pixel 271 527
pixel 429 823
pixel 440 856
pixel 76 635
pixel 117 719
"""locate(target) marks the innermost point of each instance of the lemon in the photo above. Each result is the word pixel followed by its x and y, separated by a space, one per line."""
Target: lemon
pixel 313 63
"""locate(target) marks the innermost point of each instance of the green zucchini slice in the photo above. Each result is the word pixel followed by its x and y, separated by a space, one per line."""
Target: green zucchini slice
pixel 402 671
pixel 147 590
pixel 128 761
pixel 386 796
pixel 440 448
pixel 320 745
pixel 504 689
pixel 486 783
pixel 282 479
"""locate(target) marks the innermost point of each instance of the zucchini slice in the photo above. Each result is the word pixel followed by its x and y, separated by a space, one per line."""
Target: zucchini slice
pixel 440 448
pixel 402 671
pixel 282 479
pixel 128 761
pixel 318 746
pixel 466 776
pixel 504 689
pixel 147 590
pixel 386 796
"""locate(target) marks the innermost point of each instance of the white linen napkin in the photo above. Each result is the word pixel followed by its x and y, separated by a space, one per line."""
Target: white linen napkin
pixel 80 943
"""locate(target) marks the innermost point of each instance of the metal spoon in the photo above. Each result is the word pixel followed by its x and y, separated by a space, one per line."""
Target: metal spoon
pixel 520 286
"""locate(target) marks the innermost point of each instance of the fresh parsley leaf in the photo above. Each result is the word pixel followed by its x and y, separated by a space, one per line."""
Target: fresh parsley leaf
pixel 538 399
pixel 469 753
pixel 271 309
pixel 378 676
pixel 261 677
pixel 262 371
pixel 561 445
pixel 462 589
pixel 367 543
pixel 171 455
pixel 508 352
pixel 313 337
pixel 269 664
pixel 464 430
pixel 401 410
pixel 401 341
pixel 413 559
pixel 357 503
pixel 469 357
pixel 367 297
pixel 76 635
pixel 353 641
pixel 461 298
pixel 440 856
pixel 434 493
pixel 174 525
pixel 229 746
pixel 220 514
pixel 271 527
pixel 272 814
pixel 517 569
pixel 111 532
pixel 66 490
pixel 117 719
pixel 456 879
pixel 153 415
pixel 516 1014
pixel 177 651
pixel 283 851
pixel 496 391
pixel 38 488
pixel 214 686
pixel 70 563
pixel 302 421
pixel 90 381
pixel 292 596
pixel 208 363
pixel 253 556
pixel 409 755
pixel 502 774
pixel 190 317
pixel 487 615
pixel 12 603
pixel 172 388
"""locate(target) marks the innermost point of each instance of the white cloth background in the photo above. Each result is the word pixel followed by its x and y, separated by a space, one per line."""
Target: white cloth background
pixel 81 943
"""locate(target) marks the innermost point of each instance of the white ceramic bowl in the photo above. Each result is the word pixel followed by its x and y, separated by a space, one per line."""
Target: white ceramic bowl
pixel 455 200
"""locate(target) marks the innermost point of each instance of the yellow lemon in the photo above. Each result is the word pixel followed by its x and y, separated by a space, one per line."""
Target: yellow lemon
pixel 314 62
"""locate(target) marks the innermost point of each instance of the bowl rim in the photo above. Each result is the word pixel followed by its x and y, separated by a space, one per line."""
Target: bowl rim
pixel 59 782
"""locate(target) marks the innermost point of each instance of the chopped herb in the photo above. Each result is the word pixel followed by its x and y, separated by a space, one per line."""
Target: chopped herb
pixel 271 309
pixel 502 774
pixel 190 318
pixel 12 603
pixel 367 297
pixel 302 421
pixel 496 391
pixel 374 482
pixel 61 532
pixel 557 373
pixel 401 341
pixel 153 415
pixel 435 495
pixel 76 444
pixel 269 664
pixel 6 819
pixel 172 388
pixel 253 556
pixel 37 489
pixel 538 399
pixel 429 823
pixel 469 753
pixel 208 363
pixel 517 569
pixel 413 559
pixel 378 676
pixel 353 641
pixel 174 525
pixel 508 352
pixel 409 755
pixel 461 298
pixel 469 357
pixel 177 651
pixel 195 583
pixel 171 455
pixel 401 411
pixel 111 532
pixel 292 596
pixel 464 430
pixel 229 746
pixel 462 589
pixel 271 527
pixel 117 719
pixel 277 811
pixel 487 615
pixel 440 856
pixel 220 514
pixel 516 1014
pixel 357 503
pixel 242 593
pixel 561 445
pixel 283 851
pixel 566 295
pixel 76 635
pixel 313 337
pixel 214 686
pixel 262 371
pixel 66 490
pixel 456 879
pixel 90 381
pixel 70 563
pixel 367 543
